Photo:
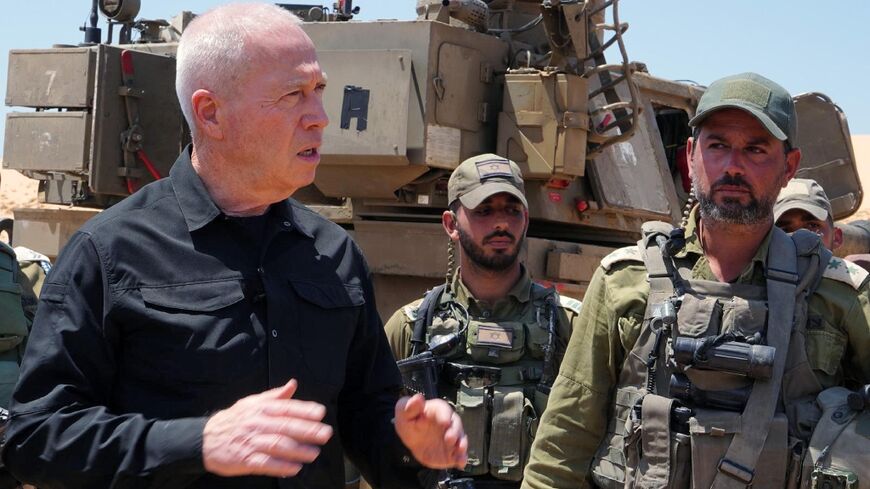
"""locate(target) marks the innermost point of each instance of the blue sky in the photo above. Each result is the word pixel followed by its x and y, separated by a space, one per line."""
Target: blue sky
pixel 802 44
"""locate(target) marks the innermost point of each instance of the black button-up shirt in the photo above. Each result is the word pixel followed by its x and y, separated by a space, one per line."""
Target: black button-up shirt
pixel 162 310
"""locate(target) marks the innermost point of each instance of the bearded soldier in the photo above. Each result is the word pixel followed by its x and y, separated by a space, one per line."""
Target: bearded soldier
pixel 510 332
pixel 716 354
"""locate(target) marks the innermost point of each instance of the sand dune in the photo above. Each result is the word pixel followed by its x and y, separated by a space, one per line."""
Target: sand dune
pixel 16 190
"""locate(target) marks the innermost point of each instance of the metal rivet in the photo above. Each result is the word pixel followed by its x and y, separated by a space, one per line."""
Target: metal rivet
pixel 274 333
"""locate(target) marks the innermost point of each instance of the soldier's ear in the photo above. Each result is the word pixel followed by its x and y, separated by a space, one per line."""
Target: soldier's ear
pixel 449 221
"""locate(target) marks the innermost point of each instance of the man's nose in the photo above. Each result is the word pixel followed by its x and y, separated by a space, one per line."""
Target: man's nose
pixel 316 116
pixel 735 162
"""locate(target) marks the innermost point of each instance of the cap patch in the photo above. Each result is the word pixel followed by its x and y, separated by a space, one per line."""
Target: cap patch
pixel 494 168
pixel 795 188
pixel 746 91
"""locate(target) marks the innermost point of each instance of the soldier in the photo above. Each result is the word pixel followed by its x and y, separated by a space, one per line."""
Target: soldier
pixel 803 204
pixel 701 351
pixel 22 272
pixel 512 331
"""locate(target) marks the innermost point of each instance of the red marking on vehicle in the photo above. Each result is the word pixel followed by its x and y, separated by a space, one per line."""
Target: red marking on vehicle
pixel 555 196
pixel 604 122
pixel 558 183
pixel 582 206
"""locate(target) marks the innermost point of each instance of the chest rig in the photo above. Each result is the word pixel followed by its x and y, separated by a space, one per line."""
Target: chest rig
pixel 498 375
pixel 717 390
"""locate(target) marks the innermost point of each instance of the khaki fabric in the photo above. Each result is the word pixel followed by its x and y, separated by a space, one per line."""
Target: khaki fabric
pixel 400 327
pixel 500 431
pixel 837 345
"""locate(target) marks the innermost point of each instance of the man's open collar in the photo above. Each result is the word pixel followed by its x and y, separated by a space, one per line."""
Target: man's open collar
pixel 199 208
pixel 196 204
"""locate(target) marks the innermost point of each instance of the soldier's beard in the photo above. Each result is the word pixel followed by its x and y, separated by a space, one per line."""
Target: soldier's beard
pixel 497 262
pixel 730 210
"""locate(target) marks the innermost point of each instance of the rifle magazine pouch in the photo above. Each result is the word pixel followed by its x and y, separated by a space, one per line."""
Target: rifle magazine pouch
pixel 711 433
pixel 509 439
pixel 661 450
pixel 471 407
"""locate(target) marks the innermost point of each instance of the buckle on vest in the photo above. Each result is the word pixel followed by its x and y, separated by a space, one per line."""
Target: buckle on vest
pixel 781 276
pixel 736 471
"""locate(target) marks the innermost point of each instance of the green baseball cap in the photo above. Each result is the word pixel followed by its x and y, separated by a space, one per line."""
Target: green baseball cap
pixel 806 195
pixel 765 100
pixel 480 177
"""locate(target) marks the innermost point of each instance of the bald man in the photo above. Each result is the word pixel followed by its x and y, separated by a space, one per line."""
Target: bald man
pixel 210 331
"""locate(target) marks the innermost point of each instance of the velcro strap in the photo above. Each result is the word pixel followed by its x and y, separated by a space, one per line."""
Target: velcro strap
pixel 656 441
pixel 736 471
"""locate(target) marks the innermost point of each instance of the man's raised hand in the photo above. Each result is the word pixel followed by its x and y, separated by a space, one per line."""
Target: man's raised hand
pixel 432 431
pixel 267 434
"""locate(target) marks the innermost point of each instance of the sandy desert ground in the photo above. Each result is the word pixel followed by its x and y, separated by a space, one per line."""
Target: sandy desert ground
pixel 16 190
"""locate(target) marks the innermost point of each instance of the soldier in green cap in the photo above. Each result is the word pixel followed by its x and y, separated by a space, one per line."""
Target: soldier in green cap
pixel 510 333
pixel 716 354
pixel 803 204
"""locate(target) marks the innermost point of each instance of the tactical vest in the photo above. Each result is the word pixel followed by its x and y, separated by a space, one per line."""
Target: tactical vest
pixel 498 376
pixel 717 391
pixel 13 324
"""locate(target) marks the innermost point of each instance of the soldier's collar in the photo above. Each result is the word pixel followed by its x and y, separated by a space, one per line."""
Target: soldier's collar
pixel 521 291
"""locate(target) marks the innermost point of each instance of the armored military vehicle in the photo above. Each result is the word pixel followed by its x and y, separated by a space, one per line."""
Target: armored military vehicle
pixel 547 83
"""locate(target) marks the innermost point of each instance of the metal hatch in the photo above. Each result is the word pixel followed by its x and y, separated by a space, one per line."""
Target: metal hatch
pixel 826 152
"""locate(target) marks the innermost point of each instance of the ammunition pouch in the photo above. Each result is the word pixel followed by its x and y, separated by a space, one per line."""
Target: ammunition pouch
pixel 711 433
pixel 500 423
pixel 656 451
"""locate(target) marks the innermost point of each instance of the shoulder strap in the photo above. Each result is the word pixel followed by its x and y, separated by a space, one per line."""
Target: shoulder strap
pixel 812 260
pixel 737 468
pixel 661 285
pixel 425 314
pixel 662 277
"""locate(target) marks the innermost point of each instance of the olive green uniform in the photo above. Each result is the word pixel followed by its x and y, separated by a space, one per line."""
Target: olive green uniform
pixel 519 306
pixel 21 274
pixel 837 344
pixel 400 326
